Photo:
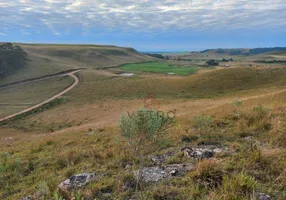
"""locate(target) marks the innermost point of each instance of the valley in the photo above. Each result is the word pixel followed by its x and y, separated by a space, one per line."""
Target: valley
pixel 73 126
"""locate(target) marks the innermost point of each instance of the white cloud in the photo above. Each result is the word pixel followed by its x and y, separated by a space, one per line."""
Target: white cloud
pixel 143 15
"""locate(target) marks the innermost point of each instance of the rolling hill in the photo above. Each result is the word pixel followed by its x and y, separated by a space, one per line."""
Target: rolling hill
pixel 43 59
pixel 245 51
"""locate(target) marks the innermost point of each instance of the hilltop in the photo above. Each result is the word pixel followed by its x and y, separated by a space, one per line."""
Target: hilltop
pixel 43 59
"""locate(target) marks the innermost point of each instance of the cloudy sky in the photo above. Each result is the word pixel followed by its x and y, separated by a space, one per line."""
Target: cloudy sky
pixel 146 24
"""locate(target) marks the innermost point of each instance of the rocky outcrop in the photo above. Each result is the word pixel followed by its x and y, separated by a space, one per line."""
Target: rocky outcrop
pixel 159 159
pixel 203 152
pixel 77 181
pixel 155 174
pixel 262 196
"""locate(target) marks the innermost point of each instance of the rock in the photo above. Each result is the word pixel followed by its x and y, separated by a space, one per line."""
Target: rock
pixel 159 159
pixel 152 174
pixel 177 169
pixel 30 197
pixel 203 152
pixel 77 181
pixel 107 195
pixel 8 139
pixel 128 167
pixel 198 153
pixel 262 196
pixel 155 174
pixel 90 133
pixel 248 138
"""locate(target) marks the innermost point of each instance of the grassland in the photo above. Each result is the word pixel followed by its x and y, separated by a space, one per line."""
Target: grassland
pixel 100 100
pixel 159 67
pixel 31 94
pixel 39 165
pixel 48 147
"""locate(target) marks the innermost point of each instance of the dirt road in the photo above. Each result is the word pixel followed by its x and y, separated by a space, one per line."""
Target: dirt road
pixel 76 81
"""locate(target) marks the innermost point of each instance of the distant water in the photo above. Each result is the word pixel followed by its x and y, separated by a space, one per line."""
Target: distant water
pixel 167 52
pixel 127 74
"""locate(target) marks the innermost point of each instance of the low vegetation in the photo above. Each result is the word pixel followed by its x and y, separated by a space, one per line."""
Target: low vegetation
pixel 255 161
pixel 247 135
pixel 159 67
pixel 145 132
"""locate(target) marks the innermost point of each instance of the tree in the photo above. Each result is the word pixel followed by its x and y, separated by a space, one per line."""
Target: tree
pixel 212 62
pixel 145 130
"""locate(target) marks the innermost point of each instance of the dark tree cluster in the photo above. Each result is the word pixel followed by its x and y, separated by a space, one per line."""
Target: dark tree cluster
pixel 12 58
pixel 156 55
pixel 212 62
pixel 270 61
pixel 227 60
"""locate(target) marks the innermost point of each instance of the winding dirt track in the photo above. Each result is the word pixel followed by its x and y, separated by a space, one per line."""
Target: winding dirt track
pixel 76 81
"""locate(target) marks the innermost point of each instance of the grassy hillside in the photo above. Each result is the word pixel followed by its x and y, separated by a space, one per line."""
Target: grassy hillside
pixel 37 166
pixel 90 56
pixel 45 59
pixel 100 98
pixel 16 97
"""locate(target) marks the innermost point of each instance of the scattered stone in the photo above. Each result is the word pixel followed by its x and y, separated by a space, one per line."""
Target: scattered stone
pixel 128 167
pixel 262 196
pixel 8 139
pixel 198 153
pixel 217 150
pixel 77 181
pixel 90 133
pixel 107 195
pixel 203 152
pixel 30 197
pixel 248 138
pixel 177 169
pixel 159 159
pixel 155 174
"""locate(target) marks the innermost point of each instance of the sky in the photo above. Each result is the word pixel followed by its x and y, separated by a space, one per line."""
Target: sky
pixel 146 25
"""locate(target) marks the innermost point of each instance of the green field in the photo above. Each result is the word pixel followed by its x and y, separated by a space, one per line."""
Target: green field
pixel 159 67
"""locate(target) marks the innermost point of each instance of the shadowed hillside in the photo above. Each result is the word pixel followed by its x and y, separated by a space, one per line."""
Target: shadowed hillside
pixel 12 58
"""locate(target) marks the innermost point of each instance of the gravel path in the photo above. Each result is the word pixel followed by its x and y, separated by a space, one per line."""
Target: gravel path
pixel 76 81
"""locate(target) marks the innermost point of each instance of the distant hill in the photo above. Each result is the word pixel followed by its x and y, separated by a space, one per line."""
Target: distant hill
pixel 44 59
pixel 245 52
pixel 90 56
pixel 12 58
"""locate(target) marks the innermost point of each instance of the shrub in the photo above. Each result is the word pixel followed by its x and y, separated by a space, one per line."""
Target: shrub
pixel 208 175
pixel 203 124
pixel 239 186
pixel 145 131
pixel 167 192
